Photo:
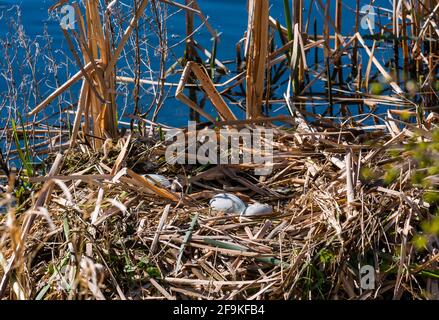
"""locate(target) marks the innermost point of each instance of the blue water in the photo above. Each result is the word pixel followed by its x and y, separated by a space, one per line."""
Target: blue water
pixel 227 16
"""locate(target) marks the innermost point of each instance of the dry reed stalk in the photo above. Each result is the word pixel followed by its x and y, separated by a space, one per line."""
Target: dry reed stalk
pixel 103 116
pixel 43 197
pixel 355 48
pixel 405 47
pixel 432 45
pixel 116 55
pixel 298 60
pixel 83 98
pixel 385 74
pixel 328 21
pixel 75 78
pixel 298 20
pixel 160 226
pixel 98 93
pixel 338 31
pixel 327 53
pixel 191 55
pixel 416 26
pixel 159 191
pixel 257 39
pixel 350 191
pixel 206 83
pixel 395 18
pixel 179 95
pixel 369 67
pixel 338 35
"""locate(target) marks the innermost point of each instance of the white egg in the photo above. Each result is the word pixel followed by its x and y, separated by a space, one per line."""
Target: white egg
pixel 227 203
pixel 257 209
pixel 158 179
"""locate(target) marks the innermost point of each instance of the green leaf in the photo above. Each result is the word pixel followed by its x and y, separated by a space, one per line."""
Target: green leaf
pixel 420 242
pixel 390 176
pixel 431 197
pixel 26 164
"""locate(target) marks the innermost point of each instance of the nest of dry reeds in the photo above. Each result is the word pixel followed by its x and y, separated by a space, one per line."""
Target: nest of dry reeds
pixel 113 235
pixel 348 191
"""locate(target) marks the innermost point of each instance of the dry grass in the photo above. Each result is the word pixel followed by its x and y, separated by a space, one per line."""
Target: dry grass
pixel 111 234
pixel 94 228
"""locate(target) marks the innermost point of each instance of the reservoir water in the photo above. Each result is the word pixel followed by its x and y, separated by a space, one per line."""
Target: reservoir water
pixel 39 29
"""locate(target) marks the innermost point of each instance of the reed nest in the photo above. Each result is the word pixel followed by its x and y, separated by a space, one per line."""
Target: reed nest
pixel 113 235
pixel 355 167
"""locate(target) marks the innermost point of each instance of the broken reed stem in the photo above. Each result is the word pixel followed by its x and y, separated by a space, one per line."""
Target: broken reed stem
pixel 257 37
pixel 97 101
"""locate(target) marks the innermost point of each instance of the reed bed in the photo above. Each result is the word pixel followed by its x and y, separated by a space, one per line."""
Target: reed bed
pixel 111 234
pixel 354 182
